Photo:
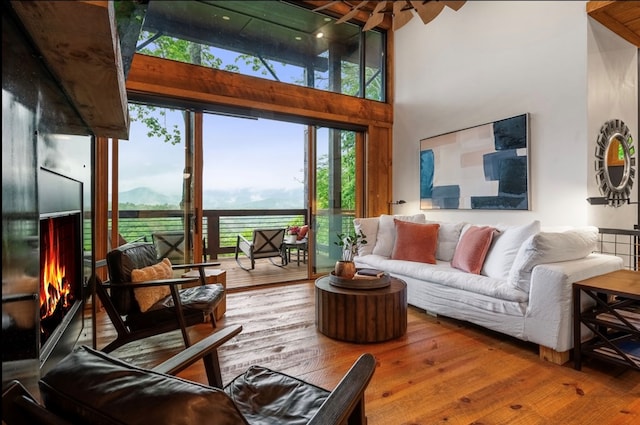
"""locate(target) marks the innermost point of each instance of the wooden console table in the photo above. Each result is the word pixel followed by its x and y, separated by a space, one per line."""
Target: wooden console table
pixel 361 315
pixel 615 320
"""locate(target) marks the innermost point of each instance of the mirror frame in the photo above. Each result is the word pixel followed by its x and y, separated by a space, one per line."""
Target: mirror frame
pixel 615 131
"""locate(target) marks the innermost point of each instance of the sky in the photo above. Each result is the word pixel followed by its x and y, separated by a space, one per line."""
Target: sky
pixel 238 153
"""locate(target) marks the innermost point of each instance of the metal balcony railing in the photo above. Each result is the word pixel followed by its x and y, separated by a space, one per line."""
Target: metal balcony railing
pixel 622 243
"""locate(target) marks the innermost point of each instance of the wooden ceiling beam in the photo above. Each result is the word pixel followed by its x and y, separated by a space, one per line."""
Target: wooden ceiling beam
pixel 621 17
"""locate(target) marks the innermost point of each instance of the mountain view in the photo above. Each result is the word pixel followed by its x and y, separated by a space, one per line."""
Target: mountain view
pixel 220 199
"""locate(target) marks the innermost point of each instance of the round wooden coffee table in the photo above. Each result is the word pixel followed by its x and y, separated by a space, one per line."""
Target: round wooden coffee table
pixel 361 315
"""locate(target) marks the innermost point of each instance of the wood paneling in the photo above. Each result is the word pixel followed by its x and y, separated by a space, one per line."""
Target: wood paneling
pixel 79 43
pixel 212 88
pixel 621 17
pixel 378 170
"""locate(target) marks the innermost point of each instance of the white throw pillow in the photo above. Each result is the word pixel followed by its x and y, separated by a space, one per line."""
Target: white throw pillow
pixel 551 247
pixel 448 237
pixel 369 228
pixel 505 247
pixel 386 236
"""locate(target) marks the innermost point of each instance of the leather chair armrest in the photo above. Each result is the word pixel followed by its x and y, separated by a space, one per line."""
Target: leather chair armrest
pixel 159 282
pixel 206 350
pixel 346 401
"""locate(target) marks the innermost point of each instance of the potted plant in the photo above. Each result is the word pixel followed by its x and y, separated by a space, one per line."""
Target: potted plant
pixel 349 242
pixel 291 235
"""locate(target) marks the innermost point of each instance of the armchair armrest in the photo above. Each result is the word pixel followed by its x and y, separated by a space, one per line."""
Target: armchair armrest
pixel 199 266
pixel 346 401
pixel 206 350
pixel 160 282
pixel 194 265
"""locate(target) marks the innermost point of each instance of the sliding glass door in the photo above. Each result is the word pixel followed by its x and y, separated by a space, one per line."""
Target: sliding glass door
pixel 334 193
pixel 152 183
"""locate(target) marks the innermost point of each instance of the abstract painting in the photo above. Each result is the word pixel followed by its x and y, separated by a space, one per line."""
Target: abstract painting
pixel 484 167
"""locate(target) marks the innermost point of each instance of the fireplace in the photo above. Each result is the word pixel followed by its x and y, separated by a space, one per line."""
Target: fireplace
pixel 61 265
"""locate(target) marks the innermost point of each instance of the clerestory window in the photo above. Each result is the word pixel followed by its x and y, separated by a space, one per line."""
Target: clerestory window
pixel 275 40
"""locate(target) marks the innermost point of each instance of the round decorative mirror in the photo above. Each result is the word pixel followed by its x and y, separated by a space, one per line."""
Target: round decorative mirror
pixel 615 162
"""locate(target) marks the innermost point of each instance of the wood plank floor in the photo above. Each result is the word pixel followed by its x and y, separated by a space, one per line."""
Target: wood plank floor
pixel 264 273
pixel 441 372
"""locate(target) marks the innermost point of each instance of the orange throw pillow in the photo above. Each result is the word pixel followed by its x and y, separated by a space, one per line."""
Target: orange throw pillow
pixel 472 249
pixel 415 242
pixel 149 295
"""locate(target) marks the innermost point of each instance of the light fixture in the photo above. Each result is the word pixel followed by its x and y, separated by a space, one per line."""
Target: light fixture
pixel 319 35
pixel 598 200
pixel 398 202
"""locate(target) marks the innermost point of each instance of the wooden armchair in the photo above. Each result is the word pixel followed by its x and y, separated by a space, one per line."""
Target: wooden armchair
pixel 142 298
pixel 265 243
pixel 91 387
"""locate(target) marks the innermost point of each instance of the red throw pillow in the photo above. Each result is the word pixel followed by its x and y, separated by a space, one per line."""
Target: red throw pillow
pixel 303 232
pixel 415 242
pixel 472 249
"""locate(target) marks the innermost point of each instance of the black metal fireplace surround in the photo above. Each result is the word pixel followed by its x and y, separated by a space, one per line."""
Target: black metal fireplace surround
pixel 61 269
pixel 60 298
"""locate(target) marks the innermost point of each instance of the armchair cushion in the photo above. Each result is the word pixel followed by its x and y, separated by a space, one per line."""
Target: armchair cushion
pixel 91 387
pixel 266 397
pixel 149 295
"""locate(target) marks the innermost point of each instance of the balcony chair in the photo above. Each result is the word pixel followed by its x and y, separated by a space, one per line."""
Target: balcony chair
pixel 142 298
pixel 91 387
pixel 170 244
pixel 265 243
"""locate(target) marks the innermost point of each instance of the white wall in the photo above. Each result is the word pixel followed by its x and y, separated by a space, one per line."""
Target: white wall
pixel 612 93
pixel 492 60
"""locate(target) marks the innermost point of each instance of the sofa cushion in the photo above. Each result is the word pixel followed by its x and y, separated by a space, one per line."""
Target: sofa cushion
pixel 415 242
pixel 504 248
pixel 442 274
pixel 88 386
pixel 369 228
pixel 472 248
pixel 387 232
pixel 150 295
pixel 551 247
pixel 448 237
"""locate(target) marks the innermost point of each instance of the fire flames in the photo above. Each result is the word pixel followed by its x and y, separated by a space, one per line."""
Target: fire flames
pixel 54 288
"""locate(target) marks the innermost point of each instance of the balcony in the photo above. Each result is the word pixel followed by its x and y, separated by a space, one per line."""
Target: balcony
pixel 220 230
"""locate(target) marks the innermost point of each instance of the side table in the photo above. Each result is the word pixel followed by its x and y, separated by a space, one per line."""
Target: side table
pixel 299 246
pixel 213 276
pixel 361 315
pixel 615 319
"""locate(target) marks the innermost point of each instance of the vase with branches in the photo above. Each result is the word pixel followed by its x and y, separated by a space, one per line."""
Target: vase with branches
pixel 349 243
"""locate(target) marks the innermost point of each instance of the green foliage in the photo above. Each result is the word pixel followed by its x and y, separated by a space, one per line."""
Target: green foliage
pixel 348 174
pixel 349 242
pixel 155 121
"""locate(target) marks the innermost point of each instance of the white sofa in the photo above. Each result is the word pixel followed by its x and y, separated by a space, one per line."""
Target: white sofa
pixel 524 288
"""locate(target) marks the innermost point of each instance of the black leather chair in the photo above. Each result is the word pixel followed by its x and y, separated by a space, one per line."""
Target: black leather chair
pixel 184 307
pixel 90 387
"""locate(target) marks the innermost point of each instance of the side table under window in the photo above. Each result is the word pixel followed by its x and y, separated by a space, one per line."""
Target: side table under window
pixel 614 320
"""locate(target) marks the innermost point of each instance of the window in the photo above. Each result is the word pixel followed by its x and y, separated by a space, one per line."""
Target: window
pixel 278 41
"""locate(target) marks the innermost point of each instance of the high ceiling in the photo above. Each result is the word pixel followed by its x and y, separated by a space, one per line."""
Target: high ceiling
pixel 399 12
pixel 621 17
